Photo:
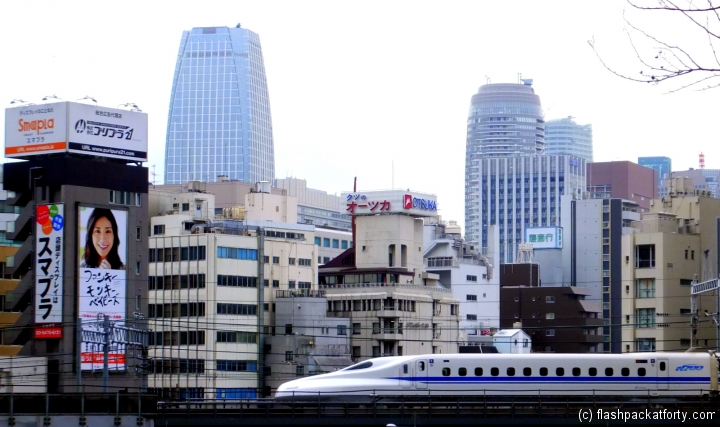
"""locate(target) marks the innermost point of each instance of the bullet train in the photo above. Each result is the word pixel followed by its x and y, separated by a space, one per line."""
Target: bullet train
pixel 497 374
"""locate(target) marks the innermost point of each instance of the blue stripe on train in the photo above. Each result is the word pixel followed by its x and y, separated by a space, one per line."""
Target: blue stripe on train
pixel 553 380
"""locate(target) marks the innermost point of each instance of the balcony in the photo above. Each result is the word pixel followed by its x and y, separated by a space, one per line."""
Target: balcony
pixel 391 334
pixel 339 313
pixel 22 227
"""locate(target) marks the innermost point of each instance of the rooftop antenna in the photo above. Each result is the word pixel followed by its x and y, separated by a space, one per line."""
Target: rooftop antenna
pixel 519 78
pixel 153 175
pixel 487 80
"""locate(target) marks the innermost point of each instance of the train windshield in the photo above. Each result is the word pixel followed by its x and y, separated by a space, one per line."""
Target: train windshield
pixel 363 365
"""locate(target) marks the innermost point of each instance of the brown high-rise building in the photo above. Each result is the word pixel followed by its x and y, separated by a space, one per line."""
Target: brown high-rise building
pixel 622 180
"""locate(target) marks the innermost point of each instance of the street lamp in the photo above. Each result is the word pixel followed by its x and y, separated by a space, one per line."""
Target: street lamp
pixel 89 98
pixel 21 101
pixel 49 97
pixel 131 105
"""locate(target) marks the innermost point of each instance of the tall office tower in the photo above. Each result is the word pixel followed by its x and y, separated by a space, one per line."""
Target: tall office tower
pixel 219 121
pixel 505 120
pixel 564 136
pixel 661 164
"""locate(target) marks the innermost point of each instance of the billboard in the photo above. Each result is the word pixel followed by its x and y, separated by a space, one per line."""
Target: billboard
pixel 394 201
pixel 50 231
pixel 33 130
pixel 544 237
pixel 102 253
pixel 76 128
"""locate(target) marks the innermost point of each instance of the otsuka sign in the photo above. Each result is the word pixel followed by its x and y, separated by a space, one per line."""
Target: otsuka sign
pixel 77 128
pixel 388 202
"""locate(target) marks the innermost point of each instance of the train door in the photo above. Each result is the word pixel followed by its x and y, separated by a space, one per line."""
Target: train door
pixel 406 375
pixel 421 373
pixel 663 371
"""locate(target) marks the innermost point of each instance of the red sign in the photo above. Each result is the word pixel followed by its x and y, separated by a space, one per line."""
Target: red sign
pixel 98 358
pixel 48 333
pixel 407 201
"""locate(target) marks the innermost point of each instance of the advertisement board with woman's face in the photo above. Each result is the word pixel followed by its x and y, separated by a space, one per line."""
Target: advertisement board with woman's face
pixel 102 255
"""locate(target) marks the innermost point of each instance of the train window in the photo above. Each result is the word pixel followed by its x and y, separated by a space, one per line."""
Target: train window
pixel 576 372
pixel 543 372
pixel 405 368
pixel 608 372
pixel 559 372
pixel 363 365
pixel 527 371
pixel 662 366
pixel 446 372
pixel 462 372
pixel 641 372
pixel 592 372
pixel 478 372
pixel 625 372
pixel 494 372
pixel 421 366
pixel 510 372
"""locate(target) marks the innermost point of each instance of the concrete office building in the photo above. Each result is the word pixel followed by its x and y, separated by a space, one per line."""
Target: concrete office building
pixel 622 180
pixel 230 204
pixel 564 136
pixel 219 122
pixel 516 193
pixel 592 257
pixel 212 298
pixel 675 244
pixel 380 284
pixel 662 165
pixel 706 180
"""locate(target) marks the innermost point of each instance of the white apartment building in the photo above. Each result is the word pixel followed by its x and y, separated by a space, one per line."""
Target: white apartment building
pixel 468 274
pixel 212 288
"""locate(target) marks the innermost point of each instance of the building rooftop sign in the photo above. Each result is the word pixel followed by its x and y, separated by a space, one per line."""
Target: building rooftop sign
pixel 61 127
pixel 390 202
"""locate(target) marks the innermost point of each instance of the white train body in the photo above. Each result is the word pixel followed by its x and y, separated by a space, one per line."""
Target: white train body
pixel 497 374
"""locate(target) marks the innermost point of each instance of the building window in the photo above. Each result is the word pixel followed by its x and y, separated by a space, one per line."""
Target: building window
pixel 549 316
pixel 550 333
pixel 471 278
pixel 326 242
pixel 471 317
pixel 336 244
pixel 645 256
pixel 318 241
pixel 471 297
pixel 185 207
pixel 647 344
pixel 276 283
pixel 341 330
pixel 138 233
pixel 289 356
pixel 645 288
pixel 137 268
pixel 645 317
pixel 549 299
pixel 158 229
pixel 276 260
pixel 291 284
pixel 344 244
pixel 305 262
pixel 300 370
pixel 356 329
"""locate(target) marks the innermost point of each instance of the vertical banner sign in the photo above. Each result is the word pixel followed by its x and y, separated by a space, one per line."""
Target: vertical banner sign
pixel 102 279
pixel 48 269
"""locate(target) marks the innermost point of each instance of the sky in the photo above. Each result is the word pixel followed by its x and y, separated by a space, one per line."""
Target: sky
pixel 375 90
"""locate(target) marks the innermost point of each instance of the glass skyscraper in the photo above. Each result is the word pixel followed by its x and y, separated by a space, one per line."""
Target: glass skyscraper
pixel 663 165
pixel 564 136
pixel 505 120
pixel 219 121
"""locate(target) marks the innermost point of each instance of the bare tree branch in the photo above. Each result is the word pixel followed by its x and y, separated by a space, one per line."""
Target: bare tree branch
pixel 672 61
pixel 674 8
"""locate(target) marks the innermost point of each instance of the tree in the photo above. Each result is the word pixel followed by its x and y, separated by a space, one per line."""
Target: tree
pixel 663 60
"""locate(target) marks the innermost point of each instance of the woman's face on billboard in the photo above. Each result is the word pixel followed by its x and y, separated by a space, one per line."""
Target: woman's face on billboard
pixel 103 237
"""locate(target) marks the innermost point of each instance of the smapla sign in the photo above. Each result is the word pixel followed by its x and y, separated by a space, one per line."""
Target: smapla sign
pixel 410 202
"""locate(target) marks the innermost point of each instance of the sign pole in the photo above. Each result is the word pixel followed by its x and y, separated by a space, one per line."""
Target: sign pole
pixel 106 352
pixel 78 346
